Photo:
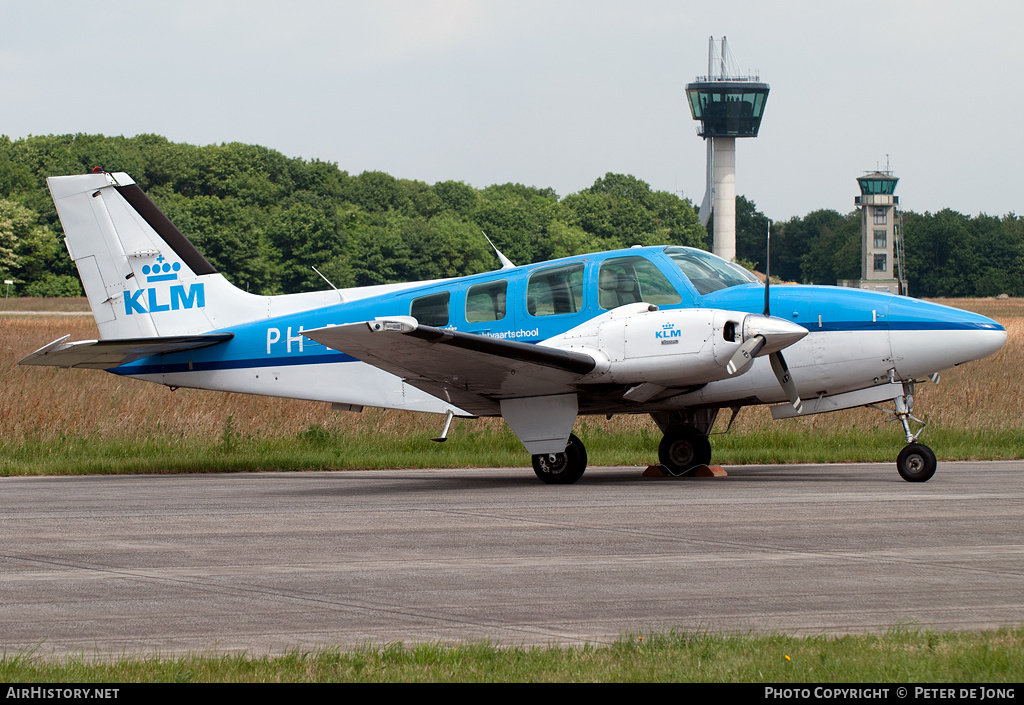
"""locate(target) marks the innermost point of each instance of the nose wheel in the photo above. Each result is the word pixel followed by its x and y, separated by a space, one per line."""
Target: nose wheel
pixel 916 463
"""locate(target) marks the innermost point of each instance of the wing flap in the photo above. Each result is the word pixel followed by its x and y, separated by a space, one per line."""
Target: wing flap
pixel 472 371
pixel 106 354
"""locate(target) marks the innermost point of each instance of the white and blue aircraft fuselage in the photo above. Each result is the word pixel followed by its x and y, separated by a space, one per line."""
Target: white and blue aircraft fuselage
pixel 669 331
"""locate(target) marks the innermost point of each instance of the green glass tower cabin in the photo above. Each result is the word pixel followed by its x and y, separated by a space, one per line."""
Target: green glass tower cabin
pixel 727 108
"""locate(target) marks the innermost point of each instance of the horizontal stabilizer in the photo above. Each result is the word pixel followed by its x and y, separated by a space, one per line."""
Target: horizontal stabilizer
pixel 471 371
pixel 107 354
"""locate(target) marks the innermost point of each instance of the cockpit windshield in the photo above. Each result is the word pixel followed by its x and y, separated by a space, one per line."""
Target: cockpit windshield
pixel 708 272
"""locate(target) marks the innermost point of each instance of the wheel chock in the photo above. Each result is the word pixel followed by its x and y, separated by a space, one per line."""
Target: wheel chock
pixel 658 470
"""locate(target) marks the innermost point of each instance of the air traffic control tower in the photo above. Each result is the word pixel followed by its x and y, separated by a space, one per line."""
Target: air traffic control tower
pixel 881 267
pixel 728 106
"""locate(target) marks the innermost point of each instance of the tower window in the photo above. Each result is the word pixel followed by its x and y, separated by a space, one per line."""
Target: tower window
pixel 880 238
pixel 880 213
pixel 880 263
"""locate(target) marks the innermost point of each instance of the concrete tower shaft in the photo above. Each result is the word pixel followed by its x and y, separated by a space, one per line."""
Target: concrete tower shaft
pixel 724 201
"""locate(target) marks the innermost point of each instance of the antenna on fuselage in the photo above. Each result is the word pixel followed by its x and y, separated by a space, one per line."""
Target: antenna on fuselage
pixel 767 268
pixel 340 295
pixel 506 263
pixel 778 362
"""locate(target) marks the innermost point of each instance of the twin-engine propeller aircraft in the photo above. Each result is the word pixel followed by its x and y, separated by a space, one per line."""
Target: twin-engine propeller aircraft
pixel 673 332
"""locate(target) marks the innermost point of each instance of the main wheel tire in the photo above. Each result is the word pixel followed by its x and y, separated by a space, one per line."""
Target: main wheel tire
pixel 684 450
pixel 916 463
pixel 562 468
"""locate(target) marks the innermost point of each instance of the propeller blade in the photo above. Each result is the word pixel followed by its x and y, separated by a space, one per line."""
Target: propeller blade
pixel 781 370
pixel 743 357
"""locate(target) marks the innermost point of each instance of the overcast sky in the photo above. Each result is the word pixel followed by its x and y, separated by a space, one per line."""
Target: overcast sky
pixel 550 94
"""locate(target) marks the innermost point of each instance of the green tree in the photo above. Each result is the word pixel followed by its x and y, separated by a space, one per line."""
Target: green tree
pixel 376 251
pixel 515 218
pixel 375 191
pixel 616 209
pixel 231 237
pixel 303 237
pixel 456 197
pixel 752 233
pixel 834 248
pixel 940 255
pixel 26 247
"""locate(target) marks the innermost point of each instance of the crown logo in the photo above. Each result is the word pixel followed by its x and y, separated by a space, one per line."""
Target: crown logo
pixel 668 326
pixel 162 271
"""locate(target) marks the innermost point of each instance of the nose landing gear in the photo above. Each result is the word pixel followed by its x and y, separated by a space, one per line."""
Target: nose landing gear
pixel 916 462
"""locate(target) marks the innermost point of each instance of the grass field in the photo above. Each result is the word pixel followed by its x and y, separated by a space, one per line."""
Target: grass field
pixel 900 656
pixel 61 421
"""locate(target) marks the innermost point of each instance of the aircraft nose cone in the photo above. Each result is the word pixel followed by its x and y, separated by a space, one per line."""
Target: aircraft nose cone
pixel 778 333
pixel 927 337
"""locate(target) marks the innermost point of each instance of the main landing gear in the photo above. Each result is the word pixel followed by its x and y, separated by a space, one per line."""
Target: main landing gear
pixel 916 462
pixel 684 449
pixel 562 468
pixel 685 446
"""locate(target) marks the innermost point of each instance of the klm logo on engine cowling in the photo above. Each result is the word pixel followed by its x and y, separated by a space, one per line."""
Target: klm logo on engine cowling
pixel 161 298
pixel 668 330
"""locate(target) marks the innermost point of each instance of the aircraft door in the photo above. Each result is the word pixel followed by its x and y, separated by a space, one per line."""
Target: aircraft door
pixel 550 301
pixel 486 308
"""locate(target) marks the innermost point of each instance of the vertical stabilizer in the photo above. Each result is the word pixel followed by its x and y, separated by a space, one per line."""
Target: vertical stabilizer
pixel 142 276
pixel 138 284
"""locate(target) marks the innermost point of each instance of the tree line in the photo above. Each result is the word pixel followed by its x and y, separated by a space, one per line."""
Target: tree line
pixel 264 220
pixel 947 254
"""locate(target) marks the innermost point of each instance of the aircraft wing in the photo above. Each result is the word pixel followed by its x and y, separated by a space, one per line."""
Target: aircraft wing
pixel 473 372
pixel 105 354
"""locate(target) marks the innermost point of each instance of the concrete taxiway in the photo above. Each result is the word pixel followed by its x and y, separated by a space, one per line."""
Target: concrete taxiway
pixel 269 562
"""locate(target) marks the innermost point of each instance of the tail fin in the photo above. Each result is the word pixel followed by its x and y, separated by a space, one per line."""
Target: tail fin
pixel 142 276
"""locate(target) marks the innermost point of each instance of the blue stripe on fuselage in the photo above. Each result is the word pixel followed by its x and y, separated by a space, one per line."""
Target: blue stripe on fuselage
pixel 839 310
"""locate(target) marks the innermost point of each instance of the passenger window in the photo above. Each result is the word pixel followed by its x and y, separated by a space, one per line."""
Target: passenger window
pixel 431 310
pixel 628 280
pixel 555 291
pixel 486 302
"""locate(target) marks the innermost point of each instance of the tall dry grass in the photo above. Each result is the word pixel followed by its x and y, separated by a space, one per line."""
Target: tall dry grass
pixel 45 403
pixel 70 304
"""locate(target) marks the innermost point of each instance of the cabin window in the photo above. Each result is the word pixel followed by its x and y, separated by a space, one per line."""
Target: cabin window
pixel 486 302
pixel 431 310
pixel 627 280
pixel 555 291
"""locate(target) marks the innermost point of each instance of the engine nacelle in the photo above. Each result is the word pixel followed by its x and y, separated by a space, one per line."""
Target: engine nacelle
pixel 634 344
